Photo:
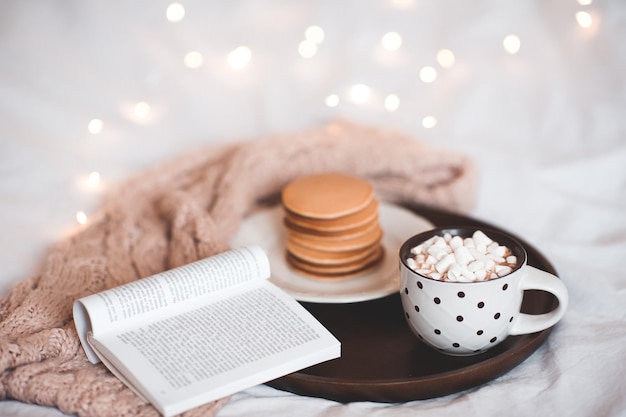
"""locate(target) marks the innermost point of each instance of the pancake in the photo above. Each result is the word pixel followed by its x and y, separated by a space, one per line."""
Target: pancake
pixel 327 196
pixel 296 230
pixel 336 272
pixel 351 221
pixel 330 244
pixel 332 225
pixel 336 257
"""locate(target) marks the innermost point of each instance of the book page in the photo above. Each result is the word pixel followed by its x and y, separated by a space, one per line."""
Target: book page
pixel 99 312
pixel 243 339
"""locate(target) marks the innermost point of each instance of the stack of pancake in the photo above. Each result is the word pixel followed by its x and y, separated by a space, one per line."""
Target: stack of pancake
pixel 333 230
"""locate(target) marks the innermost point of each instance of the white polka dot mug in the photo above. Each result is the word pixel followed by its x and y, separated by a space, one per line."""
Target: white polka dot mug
pixel 468 318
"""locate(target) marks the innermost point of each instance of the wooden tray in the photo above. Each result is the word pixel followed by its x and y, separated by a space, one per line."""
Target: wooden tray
pixel 383 361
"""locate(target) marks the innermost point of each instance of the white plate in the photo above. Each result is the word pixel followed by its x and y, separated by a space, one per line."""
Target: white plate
pixel 265 228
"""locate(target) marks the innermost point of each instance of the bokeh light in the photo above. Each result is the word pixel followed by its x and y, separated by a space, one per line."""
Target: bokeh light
pixel 193 59
pixel 141 110
pixel 511 44
pixel 314 34
pixel 307 49
pixel 81 217
pixel 429 122
pixel 392 102
pixel 428 74
pixel 584 19
pixel 391 41
pixel 95 126
pixel 445 58
pixel 332 100
pixel 175 12
pixel 239 57
pixel 360 93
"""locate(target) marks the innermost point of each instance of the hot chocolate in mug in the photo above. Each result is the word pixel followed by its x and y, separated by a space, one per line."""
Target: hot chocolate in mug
pixel 470 317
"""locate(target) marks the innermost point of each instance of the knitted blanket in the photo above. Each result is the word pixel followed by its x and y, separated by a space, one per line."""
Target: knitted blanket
pixel 177 213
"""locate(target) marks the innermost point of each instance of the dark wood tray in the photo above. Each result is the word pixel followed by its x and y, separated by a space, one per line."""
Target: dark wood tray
pixel 383 361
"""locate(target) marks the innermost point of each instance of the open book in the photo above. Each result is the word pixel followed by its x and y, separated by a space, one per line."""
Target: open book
pixel 200 332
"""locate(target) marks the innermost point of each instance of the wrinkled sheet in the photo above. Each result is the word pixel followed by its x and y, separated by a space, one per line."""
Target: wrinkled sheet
pixel 546 126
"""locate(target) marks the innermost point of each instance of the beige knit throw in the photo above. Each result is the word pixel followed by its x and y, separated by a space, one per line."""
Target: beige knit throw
pixel 175 214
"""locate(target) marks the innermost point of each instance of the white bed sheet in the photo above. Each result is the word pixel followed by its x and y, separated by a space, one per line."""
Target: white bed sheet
pixel 547 126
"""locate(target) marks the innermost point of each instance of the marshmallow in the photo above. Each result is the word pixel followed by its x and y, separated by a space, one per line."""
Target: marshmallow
pixel 496 258
pixel 476 266
pixel 456 242
pixel 480 238
pixel 437 251
pixel 452 258
pixel 478 255
pixel 462 255
pixel 468 242
pixel 444 264
pixel 480 275
pixel 417 250
pixel 412 263
pixel 497 250
pixel 502 270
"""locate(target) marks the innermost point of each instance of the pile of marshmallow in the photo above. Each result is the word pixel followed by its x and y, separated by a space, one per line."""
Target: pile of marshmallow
pixel 453 258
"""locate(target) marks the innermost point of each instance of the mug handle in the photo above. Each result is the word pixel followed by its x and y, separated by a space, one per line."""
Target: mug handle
pixel 536 279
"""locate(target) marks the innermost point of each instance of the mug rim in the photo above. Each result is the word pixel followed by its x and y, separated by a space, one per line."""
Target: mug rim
pixel 503 238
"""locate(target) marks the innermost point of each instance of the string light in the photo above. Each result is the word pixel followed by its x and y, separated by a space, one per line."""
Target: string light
pixel 428 74
pixel 175 12
pixel 429 122
pixel 445 58
pixel 93 179
pixel 81 217
pixel 391 41
pixel 584 19
pixel 314 34
pixel 193 59
pixel 360 93
pixel 239 57
pixel 141 110
pixel 307 49
pixel 511 44
pixel 95 126
pixel 332 100
pixel 392 102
